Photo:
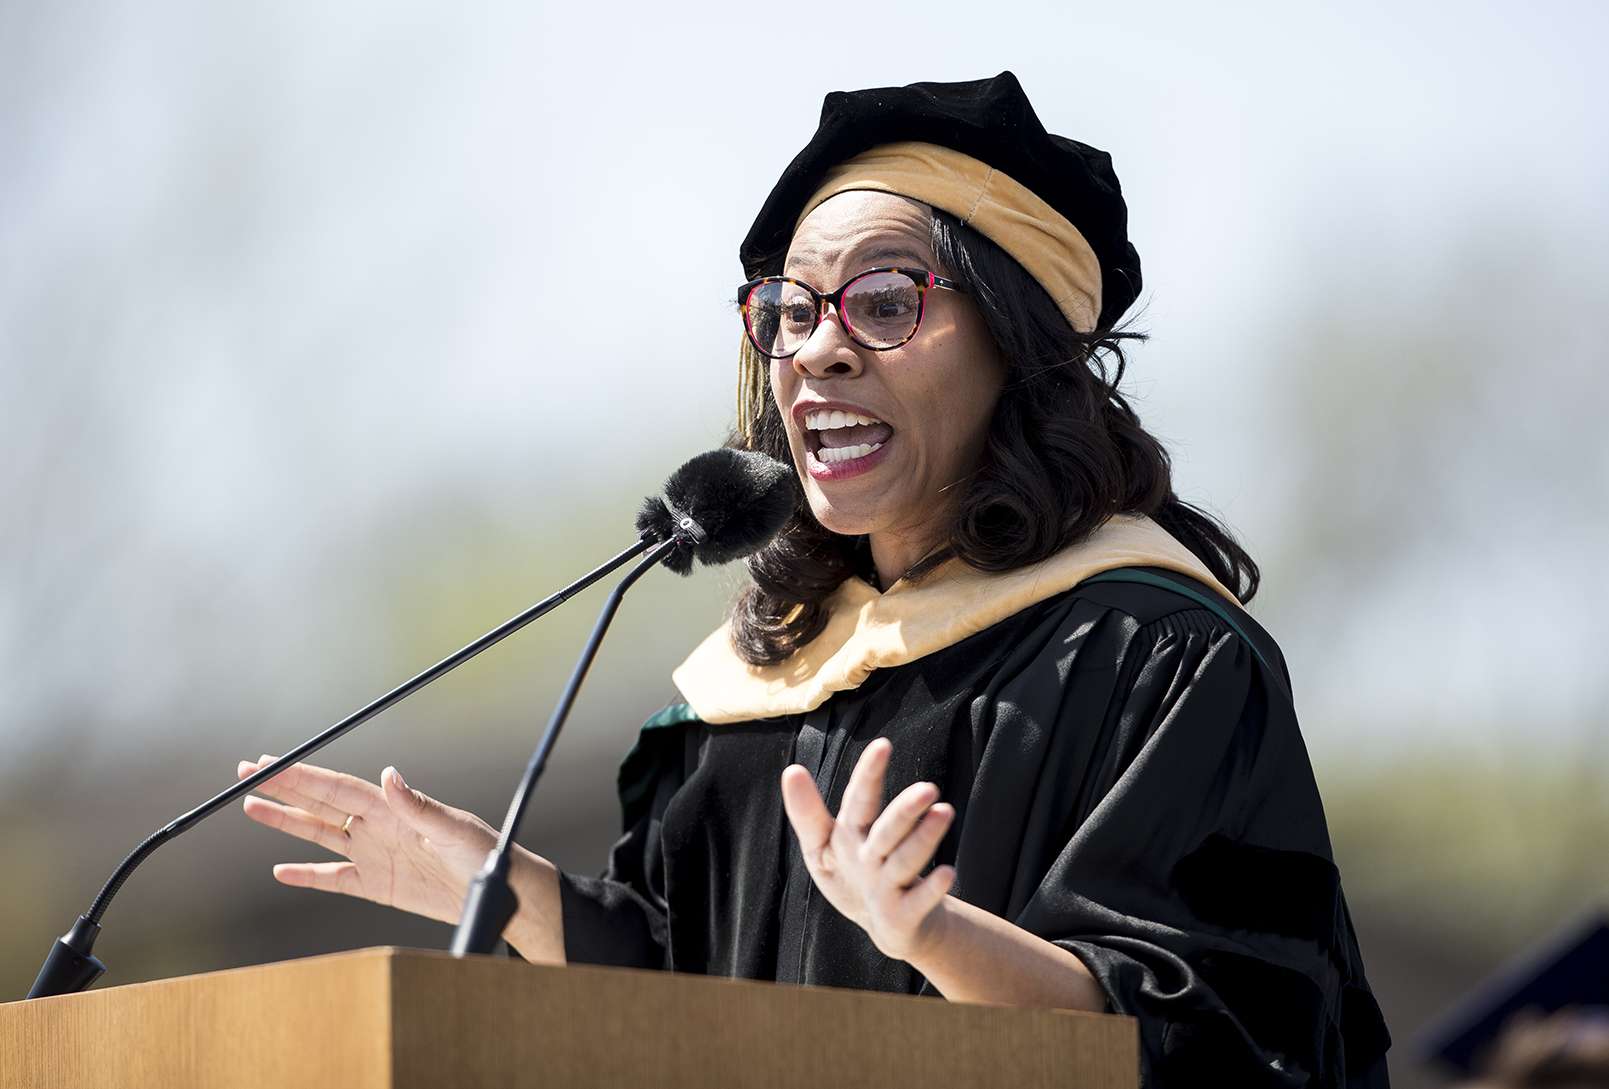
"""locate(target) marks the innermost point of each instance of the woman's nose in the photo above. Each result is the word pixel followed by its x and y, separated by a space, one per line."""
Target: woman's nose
pixel 828 351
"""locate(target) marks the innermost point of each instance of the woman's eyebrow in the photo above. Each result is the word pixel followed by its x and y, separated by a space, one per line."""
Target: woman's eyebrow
pixel 893 253
pixel 885 256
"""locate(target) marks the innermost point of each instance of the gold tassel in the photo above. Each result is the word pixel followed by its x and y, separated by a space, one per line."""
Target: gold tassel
pixel 751 367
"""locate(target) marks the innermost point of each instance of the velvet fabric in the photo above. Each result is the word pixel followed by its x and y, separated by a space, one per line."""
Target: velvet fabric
pixel 1129 783
pixel 990 120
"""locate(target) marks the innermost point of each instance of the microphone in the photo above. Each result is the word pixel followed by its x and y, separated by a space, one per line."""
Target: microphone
pixel 716 502
pixel 731 502
pixel 720 506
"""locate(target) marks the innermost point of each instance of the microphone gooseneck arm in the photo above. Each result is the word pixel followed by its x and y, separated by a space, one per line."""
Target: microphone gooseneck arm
pixel 70 967
pixel 490 903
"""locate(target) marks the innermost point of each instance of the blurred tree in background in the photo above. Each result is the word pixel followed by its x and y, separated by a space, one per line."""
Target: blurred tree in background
pixel 1439 585
pixel 1436 579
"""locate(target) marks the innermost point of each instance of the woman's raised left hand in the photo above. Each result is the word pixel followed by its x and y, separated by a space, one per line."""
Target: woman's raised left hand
pixel 868 862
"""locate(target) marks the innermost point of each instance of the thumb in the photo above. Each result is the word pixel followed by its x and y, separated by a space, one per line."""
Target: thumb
pixel 806 811
pixel 415 808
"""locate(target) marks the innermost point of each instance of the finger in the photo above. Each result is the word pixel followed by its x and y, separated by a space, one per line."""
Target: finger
pixel 863 797
pixel 283 785
pixel 252 767
pixel 905 864
pixel 925 895
pixel 806 811
pixel 296 822
pixel 896 822
pixel 332 795
pixel 431 819
pixel 323 876
pixel 280 786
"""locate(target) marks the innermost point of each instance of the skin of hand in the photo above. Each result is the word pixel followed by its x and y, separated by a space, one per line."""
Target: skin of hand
pixel 868 863
pixel 402 848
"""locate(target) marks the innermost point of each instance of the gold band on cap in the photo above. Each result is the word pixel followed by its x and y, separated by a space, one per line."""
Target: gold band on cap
pixel 1000 208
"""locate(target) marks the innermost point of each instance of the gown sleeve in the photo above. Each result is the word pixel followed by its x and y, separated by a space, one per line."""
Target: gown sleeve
pixel 620 917
pixel 1173 839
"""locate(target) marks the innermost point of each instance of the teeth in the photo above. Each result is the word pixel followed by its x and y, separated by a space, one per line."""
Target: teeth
pixel 833 456
pixel 828 420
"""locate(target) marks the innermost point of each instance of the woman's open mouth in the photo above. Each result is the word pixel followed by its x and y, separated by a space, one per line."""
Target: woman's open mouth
pixel 842 443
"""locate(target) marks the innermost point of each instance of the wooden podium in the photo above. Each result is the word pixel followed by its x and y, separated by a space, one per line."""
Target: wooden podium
pixel 400 1017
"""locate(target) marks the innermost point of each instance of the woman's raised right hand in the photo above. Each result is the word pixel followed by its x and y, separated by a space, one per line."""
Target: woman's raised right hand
pixel 402 848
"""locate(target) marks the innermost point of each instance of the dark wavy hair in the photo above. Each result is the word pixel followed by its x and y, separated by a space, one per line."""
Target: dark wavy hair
pixel 1065 451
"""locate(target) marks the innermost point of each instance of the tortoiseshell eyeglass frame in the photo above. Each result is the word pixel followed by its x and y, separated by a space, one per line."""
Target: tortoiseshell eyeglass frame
pixel 923 280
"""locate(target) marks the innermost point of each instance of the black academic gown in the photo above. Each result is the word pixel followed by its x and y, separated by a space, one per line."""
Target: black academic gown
pixel 1129 783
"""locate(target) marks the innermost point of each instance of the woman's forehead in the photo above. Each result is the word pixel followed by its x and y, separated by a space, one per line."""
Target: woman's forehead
pixel 862 229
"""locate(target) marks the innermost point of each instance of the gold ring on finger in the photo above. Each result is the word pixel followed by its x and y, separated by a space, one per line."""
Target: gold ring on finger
pixel 346 829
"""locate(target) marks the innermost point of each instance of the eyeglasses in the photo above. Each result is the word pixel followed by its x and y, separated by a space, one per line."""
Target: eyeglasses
pixel 880 309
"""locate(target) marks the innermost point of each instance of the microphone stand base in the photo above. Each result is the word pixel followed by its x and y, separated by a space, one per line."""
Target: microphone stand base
pixel 70 967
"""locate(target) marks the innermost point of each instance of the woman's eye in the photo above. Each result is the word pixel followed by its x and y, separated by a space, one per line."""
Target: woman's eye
pixel 799 315
pixel 886 306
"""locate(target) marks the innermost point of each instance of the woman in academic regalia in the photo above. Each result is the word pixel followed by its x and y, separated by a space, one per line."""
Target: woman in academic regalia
pixel 988 721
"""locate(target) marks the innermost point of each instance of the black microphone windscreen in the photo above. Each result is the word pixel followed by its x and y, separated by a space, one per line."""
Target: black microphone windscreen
pixel 737 500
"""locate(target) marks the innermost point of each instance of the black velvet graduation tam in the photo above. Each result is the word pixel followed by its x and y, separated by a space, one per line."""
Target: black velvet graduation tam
pixel 992 121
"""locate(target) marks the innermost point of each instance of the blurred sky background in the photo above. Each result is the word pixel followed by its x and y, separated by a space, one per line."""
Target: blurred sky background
pixel 322 350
